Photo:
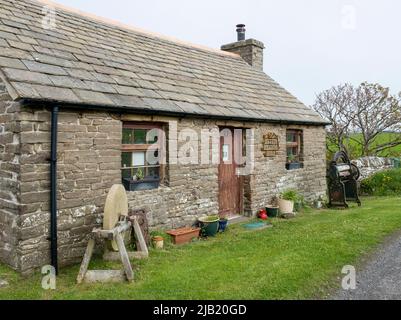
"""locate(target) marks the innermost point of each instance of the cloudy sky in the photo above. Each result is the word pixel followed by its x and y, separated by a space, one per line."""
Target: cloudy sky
pixel 310 44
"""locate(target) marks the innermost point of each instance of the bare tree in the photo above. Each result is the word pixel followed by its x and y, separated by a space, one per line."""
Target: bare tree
pixel 376 111
pixel 368 110
pixel 335 105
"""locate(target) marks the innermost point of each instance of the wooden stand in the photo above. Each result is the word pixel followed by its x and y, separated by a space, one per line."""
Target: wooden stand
pixel 115 234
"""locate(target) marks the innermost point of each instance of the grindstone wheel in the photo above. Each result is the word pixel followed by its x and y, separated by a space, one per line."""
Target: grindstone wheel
pixel 115 207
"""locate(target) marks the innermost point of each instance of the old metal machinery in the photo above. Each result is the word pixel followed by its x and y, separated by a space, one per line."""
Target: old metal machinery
pixel 342 179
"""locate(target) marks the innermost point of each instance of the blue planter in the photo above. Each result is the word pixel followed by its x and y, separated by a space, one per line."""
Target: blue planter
pixel 223 225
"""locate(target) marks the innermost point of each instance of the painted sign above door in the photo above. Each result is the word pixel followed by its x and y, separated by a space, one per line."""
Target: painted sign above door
pixel 270 144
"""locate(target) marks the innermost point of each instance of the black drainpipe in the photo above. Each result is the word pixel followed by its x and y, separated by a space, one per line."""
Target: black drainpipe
pixel 53 191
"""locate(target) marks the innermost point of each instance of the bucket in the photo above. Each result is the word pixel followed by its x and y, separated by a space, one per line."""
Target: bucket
pixel 158 242
pixel 272 212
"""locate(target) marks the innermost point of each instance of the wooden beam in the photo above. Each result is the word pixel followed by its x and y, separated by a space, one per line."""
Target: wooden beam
pixel 138 232
pixel 124 258
pixel 105 276
pixel 85 262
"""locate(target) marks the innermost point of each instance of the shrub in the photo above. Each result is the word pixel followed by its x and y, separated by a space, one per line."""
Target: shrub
pixel 290 195
pixel 384 183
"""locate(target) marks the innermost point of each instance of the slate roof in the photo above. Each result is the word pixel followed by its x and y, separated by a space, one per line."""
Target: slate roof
pixel 89 62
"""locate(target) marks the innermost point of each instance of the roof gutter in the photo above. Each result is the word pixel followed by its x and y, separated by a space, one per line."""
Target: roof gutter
pixel 130 110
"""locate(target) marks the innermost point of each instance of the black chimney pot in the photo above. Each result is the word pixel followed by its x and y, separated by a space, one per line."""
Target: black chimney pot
pixel 241 32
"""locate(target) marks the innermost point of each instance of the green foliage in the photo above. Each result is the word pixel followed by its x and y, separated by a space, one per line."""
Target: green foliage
pixel 139 174
pixel 383 183
pixel 290 195
pixel 211 219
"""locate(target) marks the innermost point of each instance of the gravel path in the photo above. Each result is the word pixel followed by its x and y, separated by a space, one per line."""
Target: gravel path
pixel 380 277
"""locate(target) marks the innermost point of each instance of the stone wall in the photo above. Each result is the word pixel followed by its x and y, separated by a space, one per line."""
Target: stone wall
pixel 271 177
pixel 371 165
pixel 89 161
pixel 9 179
pixel 193 190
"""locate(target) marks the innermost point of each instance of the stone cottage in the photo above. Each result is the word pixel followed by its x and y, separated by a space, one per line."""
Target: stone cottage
pixel 83 100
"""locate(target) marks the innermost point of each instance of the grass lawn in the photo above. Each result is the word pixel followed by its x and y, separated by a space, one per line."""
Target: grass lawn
pixel 299 258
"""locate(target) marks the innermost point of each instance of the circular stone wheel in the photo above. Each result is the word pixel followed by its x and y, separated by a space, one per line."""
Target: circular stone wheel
pixel 115 207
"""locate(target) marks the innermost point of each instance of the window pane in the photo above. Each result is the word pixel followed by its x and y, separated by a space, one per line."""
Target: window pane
pixel 291 137
pixel 128 136
pixel 140 136
pixel 138 158
pixel 153 172
pixel 126 159
pixel 127 173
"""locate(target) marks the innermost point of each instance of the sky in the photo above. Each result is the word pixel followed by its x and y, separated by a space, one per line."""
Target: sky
pixel 311 45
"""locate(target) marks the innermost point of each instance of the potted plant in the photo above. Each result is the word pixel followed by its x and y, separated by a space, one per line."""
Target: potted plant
pixel 292 163
pixel 140 182
pixel 209 225
pixel 287 200
pixel 223 222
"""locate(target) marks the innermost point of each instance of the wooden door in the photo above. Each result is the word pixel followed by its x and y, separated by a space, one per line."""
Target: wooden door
pixel 229 181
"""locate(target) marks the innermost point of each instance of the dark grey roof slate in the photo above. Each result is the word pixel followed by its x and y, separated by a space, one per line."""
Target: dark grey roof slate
pixel 87 61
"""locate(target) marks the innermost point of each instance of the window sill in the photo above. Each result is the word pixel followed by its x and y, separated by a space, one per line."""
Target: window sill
pixel 294 166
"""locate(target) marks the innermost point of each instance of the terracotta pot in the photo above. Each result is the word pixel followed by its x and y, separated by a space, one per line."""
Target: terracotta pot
pixel 158 242
pixel 286 206
pixel 184 235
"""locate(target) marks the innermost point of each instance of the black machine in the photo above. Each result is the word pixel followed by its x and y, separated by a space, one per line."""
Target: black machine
pixel 342 179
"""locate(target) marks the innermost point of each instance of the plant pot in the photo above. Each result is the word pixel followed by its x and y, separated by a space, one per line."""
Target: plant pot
pixel 293 166
pixel 223 225
pixel 184 235
pixel 298 206
pixel 286 206
pixel 138 185
pixel 209 227
pixel 158 242
pixel 272 212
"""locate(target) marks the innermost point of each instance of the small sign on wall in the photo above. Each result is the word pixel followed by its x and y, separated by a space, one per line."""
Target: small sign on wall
pixel 270 145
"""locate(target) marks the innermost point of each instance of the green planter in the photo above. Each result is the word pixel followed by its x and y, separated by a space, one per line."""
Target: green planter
pixel 209 226
pixel 272 212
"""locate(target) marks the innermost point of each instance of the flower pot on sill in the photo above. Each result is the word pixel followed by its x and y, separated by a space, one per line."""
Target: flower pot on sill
pixel 184 235
pixel 209 226
pixel 286 206
pixel 293 166
pixel 138 185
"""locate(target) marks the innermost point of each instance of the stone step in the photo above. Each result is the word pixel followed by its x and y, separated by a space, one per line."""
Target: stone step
pixel 237 219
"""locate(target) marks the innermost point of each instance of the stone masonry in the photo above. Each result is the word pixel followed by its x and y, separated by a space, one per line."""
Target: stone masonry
pixel 9 179
pixel 89 161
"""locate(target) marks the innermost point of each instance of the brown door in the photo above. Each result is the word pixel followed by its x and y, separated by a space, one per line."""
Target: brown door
pixel 229 181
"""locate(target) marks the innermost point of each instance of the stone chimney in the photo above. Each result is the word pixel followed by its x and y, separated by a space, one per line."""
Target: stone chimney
pixel 250 50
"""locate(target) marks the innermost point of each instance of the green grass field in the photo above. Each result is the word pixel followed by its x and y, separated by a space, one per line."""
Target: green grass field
pixel 356 150
pixel 299 258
